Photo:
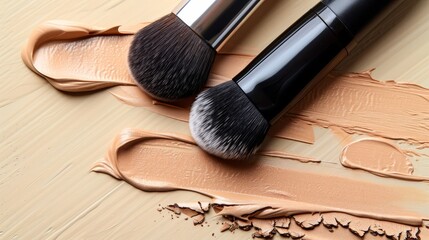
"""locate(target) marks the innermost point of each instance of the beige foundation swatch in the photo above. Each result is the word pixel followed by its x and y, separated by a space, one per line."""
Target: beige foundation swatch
pixel 357 103
pixel 354 103
pixel 74 57
pixel 78 58
pixel 379 157
pixel 68 55
pixel 264 190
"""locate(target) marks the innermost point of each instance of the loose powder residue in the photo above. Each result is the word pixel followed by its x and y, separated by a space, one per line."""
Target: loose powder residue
pixel 195 211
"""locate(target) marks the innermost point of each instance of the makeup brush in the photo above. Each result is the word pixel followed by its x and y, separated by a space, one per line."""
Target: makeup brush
pixel 232 119
pixel 171 58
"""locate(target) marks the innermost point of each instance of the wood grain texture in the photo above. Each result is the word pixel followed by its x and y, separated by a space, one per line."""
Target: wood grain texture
pixel 49 139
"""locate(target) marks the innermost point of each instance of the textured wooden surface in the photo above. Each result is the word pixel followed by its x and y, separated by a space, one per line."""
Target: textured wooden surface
pixel 49 139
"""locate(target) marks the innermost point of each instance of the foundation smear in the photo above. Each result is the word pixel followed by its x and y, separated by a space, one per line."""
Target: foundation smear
pixel 380 158
pixel 166 162
pixel 74 57
pixel 355 102
pixel 295 199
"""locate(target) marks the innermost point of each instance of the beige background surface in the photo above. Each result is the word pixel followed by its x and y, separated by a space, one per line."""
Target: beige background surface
pixel 49 139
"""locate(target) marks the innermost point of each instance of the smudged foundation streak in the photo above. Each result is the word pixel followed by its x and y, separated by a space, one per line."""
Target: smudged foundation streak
pixel 76 58
pixel 135 157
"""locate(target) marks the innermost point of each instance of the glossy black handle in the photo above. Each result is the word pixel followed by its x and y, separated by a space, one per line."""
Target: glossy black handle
pixel 278 74
pixel 290 62
pixel 356 14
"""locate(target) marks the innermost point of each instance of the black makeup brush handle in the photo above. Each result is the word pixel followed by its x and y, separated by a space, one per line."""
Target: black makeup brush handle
pixel 300 53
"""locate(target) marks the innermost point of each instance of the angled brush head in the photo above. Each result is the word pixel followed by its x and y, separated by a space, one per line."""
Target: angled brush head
pixel 169 60
pixel 225 123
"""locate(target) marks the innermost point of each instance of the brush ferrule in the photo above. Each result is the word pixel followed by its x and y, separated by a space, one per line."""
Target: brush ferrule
pixel 214 20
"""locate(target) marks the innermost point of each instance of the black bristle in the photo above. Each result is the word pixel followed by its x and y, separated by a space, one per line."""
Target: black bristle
pixel 169 60
pixel 225 123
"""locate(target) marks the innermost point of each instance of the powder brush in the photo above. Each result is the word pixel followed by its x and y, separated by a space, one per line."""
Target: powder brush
pixel 171 58
pixel 232 119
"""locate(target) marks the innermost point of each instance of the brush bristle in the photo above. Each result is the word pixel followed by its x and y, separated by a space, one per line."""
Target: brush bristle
pixel 225 123
pixel 169 60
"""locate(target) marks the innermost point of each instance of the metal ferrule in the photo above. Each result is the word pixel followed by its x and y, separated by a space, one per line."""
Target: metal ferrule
pixel 214 20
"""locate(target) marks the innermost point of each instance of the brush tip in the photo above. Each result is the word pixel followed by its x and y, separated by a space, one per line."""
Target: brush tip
pixel 225 123
pixel 168 60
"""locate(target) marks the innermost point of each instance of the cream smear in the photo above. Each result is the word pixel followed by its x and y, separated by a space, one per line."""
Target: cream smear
pixel 69 55
pixel 76 58
pixel 73 57
pixel 259 190
pixel 354 103
pixel 357 103
pixel 379 157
